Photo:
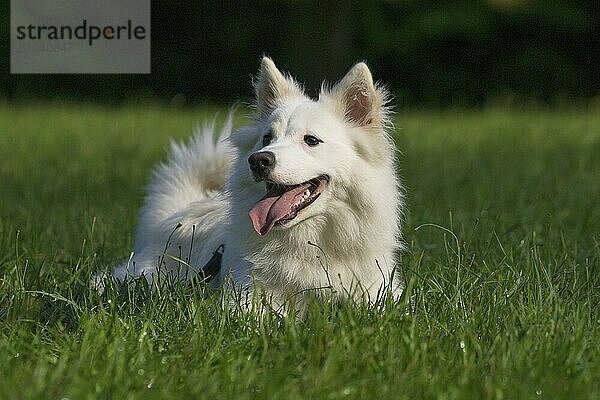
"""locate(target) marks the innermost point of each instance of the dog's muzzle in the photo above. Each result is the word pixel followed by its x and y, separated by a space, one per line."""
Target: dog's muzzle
pixel 261 164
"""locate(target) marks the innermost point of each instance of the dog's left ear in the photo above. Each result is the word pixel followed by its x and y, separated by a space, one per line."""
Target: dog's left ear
pixel 362 102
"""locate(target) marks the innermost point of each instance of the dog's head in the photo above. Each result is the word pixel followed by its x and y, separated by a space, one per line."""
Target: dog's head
pixel 302 154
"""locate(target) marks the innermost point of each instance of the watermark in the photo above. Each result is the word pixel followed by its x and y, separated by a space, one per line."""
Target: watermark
pixel 80 36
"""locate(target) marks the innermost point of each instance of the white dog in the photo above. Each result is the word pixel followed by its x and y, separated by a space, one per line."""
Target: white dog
pixel 304 199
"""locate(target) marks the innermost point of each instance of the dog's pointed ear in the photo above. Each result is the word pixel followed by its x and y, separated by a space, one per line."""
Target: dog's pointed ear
pixel 272 87
pixel 360 100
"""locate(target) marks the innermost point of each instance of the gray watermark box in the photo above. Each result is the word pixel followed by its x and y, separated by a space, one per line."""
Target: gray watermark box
pixel 80 37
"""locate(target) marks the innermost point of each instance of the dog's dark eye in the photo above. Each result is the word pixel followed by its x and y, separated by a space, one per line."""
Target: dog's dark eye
pixel 267 139
pixel 311 140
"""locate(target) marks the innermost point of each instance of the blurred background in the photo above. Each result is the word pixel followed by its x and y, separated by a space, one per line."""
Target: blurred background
pixel 430 53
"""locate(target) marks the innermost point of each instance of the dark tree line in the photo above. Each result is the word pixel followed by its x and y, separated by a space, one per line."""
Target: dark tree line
pixel 429 52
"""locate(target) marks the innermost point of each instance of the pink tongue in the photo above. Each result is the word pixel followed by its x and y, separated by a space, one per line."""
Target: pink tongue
pixel 273 208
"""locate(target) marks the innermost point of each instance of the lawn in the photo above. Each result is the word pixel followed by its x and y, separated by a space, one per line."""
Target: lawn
pixel 502 271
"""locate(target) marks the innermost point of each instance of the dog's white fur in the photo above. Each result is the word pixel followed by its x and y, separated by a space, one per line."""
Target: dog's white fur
pixel 343 245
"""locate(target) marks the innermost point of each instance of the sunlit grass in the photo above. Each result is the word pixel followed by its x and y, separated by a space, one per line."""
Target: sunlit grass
pixel 502 270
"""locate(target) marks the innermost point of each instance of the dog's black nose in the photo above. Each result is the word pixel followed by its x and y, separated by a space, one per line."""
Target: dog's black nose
pixel 261 163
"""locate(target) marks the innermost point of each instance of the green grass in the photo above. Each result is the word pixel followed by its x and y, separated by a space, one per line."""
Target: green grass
pixel 502 274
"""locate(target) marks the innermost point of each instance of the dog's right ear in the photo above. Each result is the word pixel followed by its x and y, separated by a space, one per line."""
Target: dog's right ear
pixel 272 87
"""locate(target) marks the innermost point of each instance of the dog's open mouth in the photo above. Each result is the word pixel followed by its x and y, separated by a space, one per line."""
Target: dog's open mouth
pixel 282 203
